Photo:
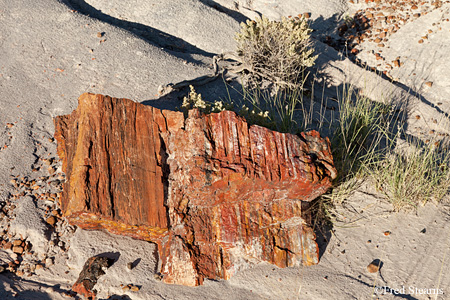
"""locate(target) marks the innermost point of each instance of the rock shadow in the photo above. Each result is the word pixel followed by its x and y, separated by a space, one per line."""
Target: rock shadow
pixel 112 257
pixel 239 17
pixel 17 292
pixel 340 36
pixel 172 44
pixel 381 289
pixel 117 297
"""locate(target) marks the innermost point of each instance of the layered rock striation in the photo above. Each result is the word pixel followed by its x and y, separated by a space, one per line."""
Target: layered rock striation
pixel 214 194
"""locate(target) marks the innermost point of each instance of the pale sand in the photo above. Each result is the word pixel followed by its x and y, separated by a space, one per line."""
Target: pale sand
pixel 50 54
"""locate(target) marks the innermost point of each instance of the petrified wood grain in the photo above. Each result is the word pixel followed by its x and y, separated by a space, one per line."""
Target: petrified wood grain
pixel 215 194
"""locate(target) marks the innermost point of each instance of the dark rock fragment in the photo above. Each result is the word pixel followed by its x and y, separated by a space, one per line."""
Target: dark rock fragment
pixel 92 270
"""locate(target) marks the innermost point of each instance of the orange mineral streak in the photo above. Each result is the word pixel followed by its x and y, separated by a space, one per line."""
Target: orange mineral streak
pixel 94 222
pixel 215 194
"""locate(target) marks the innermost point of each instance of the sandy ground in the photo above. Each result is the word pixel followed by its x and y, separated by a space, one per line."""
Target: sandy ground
pixel 53 51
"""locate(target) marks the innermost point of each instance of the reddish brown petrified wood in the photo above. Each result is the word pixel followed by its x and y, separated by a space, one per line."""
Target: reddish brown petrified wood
pixel 215 194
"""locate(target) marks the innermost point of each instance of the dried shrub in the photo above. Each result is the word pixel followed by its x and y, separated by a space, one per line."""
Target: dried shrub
pixel 279 51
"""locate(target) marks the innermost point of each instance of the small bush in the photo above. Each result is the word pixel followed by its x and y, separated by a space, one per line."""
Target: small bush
pixel 274 110
pixel 414 177
pixel 365 146
pixel 277 51
pixel 357 135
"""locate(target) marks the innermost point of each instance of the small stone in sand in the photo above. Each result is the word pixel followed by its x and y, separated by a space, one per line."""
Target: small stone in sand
pixel 134 288
pixel 17 242
pixel 373 267
pixel 429 83
pixel 126 288
pixel 48 262
pixel 7 245
pixel 17 249
pixel 51 220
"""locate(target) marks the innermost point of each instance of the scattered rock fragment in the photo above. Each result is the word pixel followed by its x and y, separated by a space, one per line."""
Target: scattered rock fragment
pixel 130 266
pixel 396 63
pixel 92 270
pixel 51 220
pixel 429 84
pixel 374 266
pixel 131 287
pixel 134 288
pixel 17 249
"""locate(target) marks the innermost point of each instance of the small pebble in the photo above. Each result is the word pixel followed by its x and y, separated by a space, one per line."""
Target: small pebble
pixel 51 170
pixel 17 242
pixel 17 249
pixel 51 220
pixel 48 262
pixel 373 267
pixel 134 288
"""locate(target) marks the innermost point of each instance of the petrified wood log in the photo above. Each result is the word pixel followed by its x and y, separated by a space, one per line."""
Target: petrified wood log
pixel 214 194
